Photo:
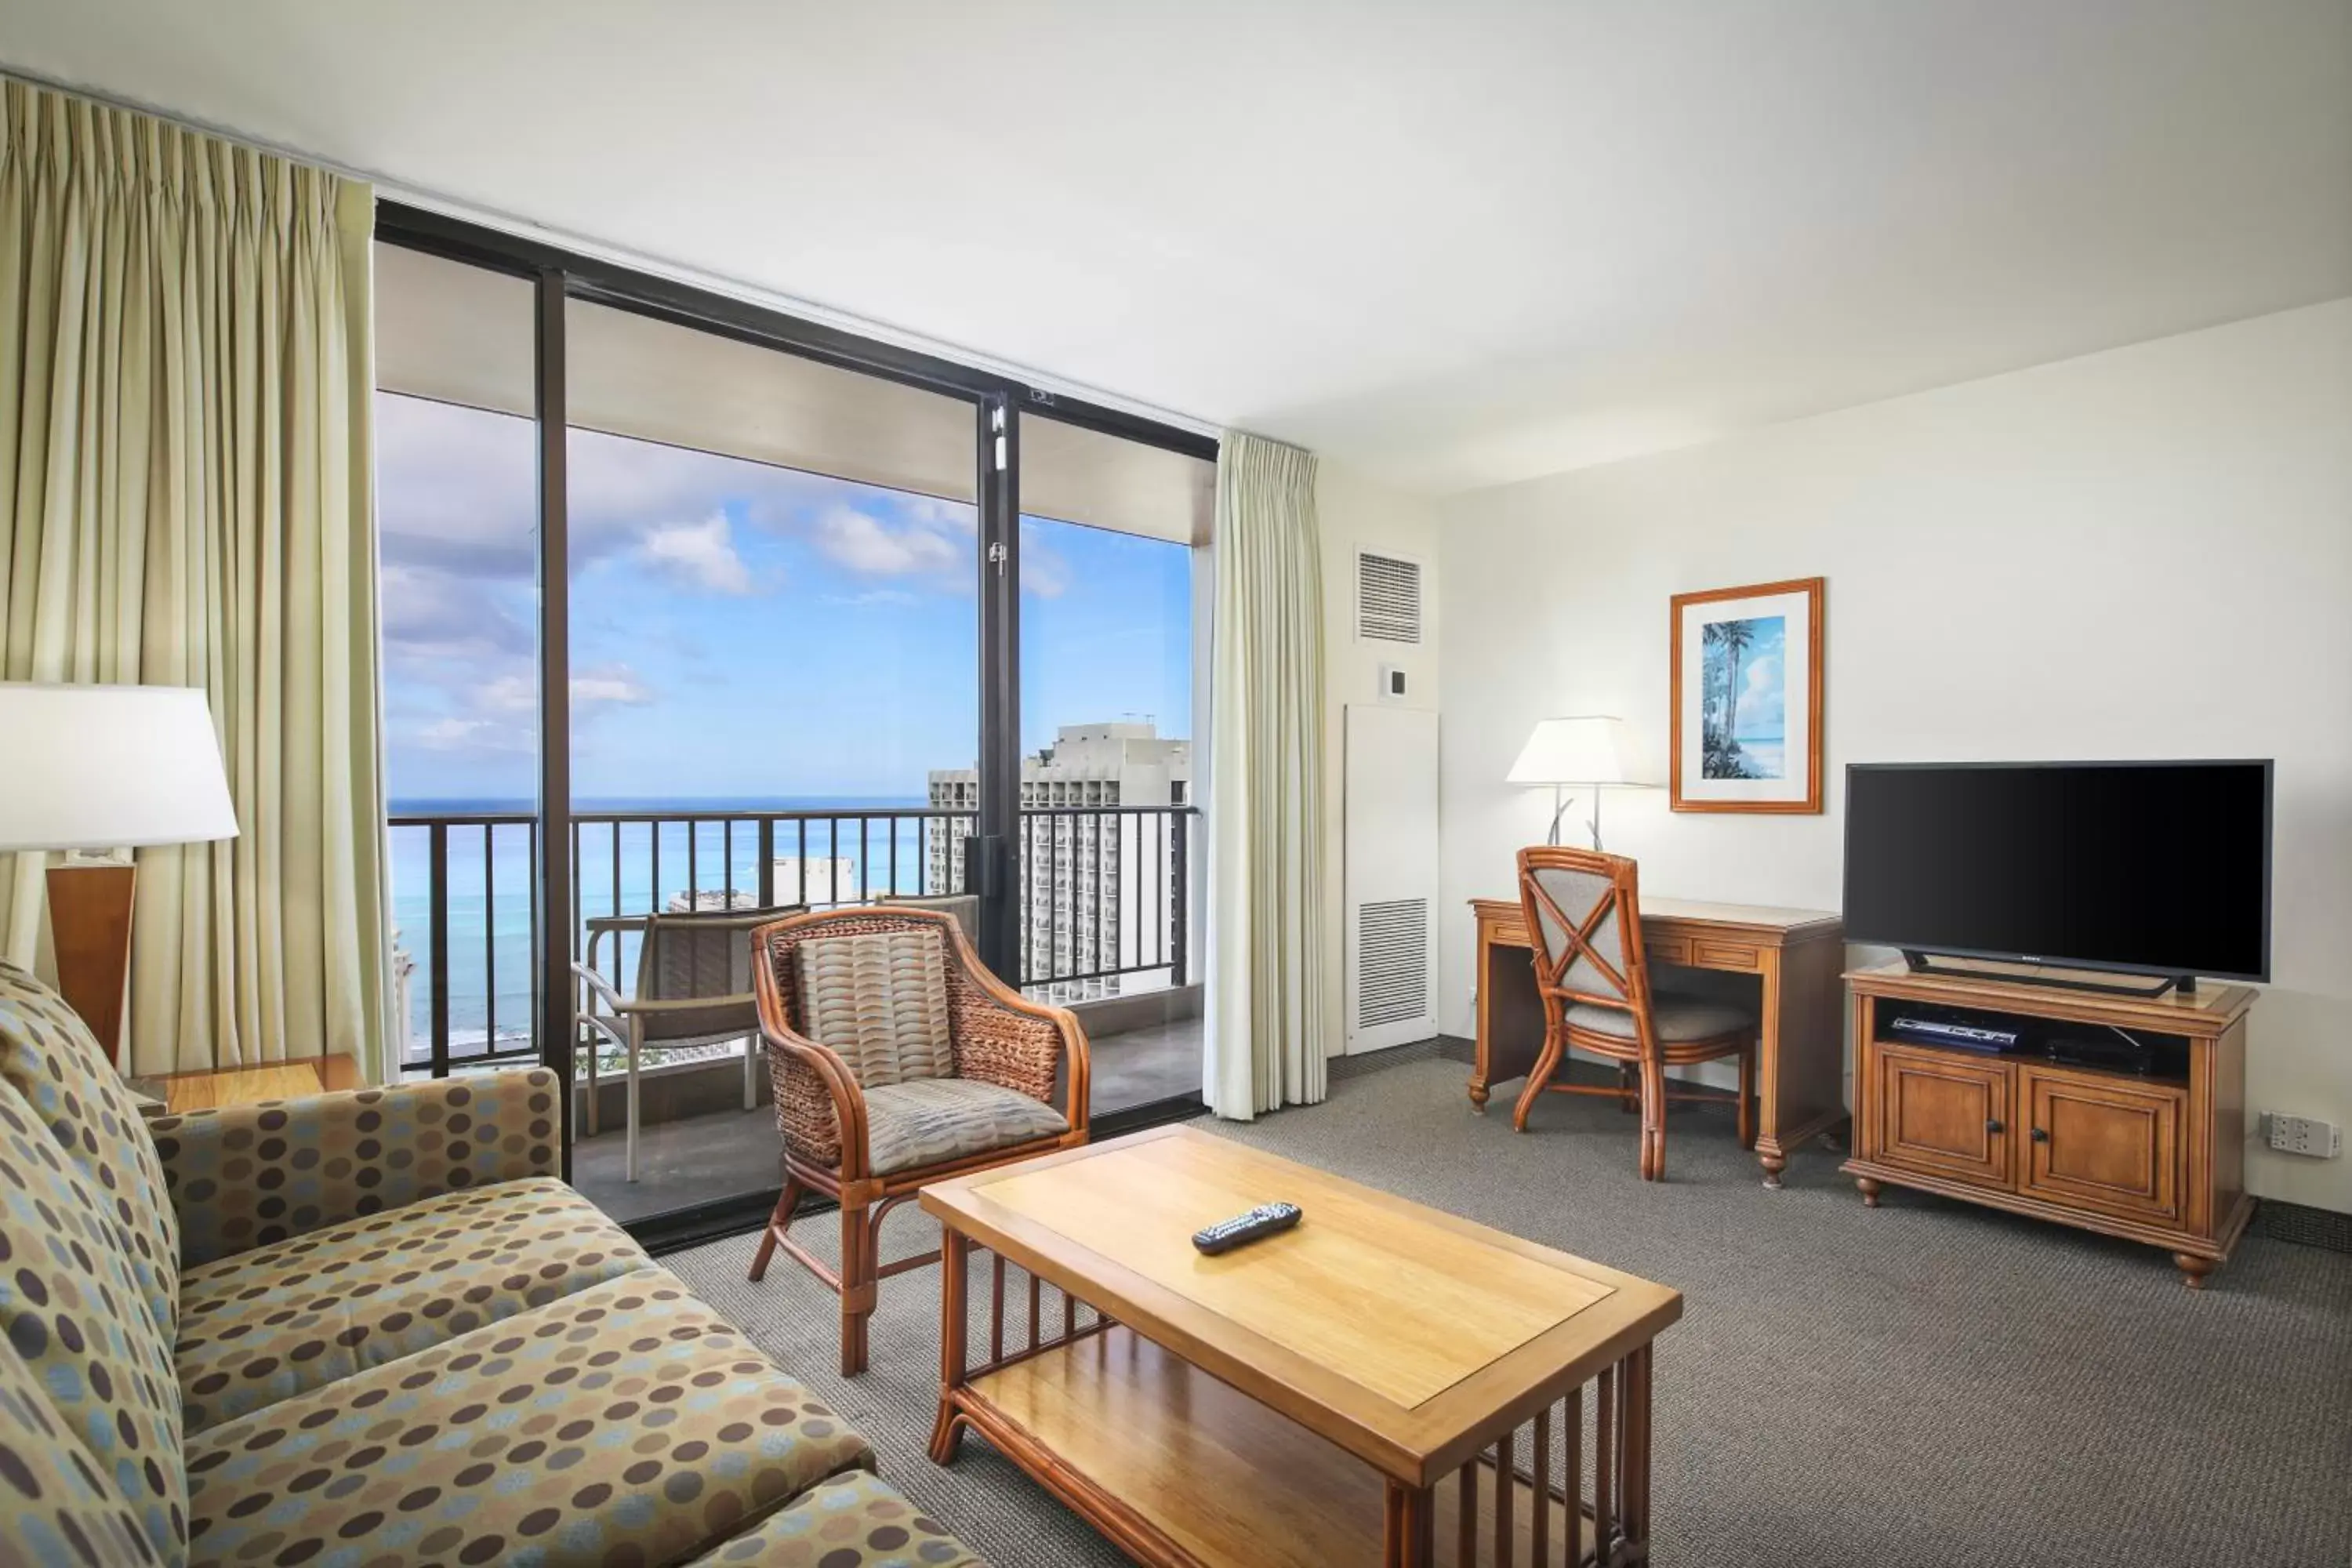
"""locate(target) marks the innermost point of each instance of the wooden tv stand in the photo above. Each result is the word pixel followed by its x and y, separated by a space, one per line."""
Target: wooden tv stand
pixel 2157 1158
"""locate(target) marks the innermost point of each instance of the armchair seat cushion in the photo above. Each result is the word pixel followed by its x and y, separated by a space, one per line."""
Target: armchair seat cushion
pixel 933 1121
pixel 262 1326
pixel 1675 1018
pixel 628 1422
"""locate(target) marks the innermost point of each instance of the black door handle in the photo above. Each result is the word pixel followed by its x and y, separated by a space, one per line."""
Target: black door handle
pixel 1992 1124
pixel 2040 1136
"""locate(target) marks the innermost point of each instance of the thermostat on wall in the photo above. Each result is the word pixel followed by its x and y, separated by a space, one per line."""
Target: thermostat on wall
pixel 1392 683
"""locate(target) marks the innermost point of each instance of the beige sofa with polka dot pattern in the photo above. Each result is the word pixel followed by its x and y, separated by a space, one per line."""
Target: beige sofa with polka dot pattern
pixel 374 1329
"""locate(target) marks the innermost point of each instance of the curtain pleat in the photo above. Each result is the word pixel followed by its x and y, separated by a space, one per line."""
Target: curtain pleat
pixel 185 393
pixel 1268 1034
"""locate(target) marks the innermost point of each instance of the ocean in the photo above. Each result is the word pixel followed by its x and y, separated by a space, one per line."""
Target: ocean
pixel 1768 755
pixel 489 921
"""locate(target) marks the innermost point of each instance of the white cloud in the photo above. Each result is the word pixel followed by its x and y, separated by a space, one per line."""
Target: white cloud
pixel 699 554
pixel 1760 702
pixel 614 685
pixel 1045 571
pixel 508 694
pixel 955 515
pixel 475 735
pixel 863 543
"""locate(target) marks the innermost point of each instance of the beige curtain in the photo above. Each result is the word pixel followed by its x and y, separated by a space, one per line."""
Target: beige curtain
pixel 1268 951
pixel 185 501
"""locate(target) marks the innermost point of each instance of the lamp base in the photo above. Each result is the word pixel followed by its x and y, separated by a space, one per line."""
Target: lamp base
pixel 90 929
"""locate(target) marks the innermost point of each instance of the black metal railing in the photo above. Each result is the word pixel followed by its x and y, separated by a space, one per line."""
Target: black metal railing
pixel 1104 895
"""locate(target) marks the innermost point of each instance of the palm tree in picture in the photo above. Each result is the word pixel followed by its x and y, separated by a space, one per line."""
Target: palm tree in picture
pixel 1737 635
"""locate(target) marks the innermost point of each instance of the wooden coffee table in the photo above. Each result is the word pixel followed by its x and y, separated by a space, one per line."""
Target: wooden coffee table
pixel 1384 1384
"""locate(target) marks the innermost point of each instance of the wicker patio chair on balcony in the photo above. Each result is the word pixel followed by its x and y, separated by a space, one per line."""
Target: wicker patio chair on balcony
pixel 899 1061
pixel 693 988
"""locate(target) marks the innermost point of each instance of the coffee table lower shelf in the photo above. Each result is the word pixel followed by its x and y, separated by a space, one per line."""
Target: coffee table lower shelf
pixel 1178 1468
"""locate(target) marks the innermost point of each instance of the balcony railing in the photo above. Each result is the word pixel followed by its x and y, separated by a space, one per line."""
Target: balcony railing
pixel 1104 898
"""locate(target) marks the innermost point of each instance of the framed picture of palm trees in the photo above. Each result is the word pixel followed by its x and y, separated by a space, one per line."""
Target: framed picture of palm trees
pixel 1747 699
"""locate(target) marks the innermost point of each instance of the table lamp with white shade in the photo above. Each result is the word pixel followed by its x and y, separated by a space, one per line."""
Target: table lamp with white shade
pixel 1593 751
pixel 105 768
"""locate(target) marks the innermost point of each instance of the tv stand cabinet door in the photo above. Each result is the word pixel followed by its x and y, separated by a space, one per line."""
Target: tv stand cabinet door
pixel 1941 1113
pixel 2101 1144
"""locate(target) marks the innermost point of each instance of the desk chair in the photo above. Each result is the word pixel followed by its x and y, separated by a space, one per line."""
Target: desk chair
pixel 693 988
pixel 1584 919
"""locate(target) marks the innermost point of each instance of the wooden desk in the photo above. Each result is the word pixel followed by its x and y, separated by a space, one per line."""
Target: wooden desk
pixel 1334 1394
pixel 1798 955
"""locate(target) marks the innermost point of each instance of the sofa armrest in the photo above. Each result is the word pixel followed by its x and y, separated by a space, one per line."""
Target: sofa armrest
pixel 246 1175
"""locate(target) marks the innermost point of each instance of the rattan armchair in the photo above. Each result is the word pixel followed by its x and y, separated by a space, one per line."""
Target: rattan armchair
pixel 873 1146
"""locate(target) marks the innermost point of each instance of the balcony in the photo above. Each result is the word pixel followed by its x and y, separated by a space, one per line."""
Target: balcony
pixel 1114 946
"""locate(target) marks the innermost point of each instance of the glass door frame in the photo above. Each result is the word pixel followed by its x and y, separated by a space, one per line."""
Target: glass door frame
pixel 559 276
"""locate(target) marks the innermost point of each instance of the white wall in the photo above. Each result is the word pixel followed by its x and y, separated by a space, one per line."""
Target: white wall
pixel 1353 512
pixel 2145 552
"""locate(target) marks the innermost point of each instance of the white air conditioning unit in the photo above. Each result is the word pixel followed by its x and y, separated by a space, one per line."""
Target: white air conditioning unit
pixel 1390 874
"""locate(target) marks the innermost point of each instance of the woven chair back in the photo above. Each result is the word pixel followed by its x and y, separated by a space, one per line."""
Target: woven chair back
pixel 1583 910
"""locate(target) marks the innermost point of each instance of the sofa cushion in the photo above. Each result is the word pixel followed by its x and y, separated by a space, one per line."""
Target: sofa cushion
pixel 628 1422
pixel 49 1056
pixel 853 1520
pixel 880 1002
pixel 261 1326
pixel 72 1309
pixel 927 1121
pixel 55 1505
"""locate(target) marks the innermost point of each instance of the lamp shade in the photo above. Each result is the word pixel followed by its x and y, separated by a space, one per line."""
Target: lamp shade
pixel 1591 749
pixel 108 767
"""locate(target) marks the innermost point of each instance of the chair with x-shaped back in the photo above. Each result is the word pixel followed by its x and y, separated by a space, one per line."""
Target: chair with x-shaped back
pixel 1584 921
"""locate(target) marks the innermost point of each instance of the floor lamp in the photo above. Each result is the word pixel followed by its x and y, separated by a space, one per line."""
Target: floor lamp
pixel 1592 751
pixel 93 770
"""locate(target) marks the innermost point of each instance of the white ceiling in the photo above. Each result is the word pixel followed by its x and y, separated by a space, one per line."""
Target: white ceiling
pixel 1453 244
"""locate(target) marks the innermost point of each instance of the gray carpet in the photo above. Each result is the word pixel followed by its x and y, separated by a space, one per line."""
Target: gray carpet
pixel 1930 1383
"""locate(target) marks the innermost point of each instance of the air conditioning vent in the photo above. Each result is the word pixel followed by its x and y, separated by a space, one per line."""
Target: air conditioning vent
pixel 1392 962
pixel 1388 598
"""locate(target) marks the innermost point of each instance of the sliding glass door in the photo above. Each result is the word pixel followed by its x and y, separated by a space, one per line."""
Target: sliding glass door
pixel 775 639
pixel 457 510
pixel 691 607
pixel 1112 533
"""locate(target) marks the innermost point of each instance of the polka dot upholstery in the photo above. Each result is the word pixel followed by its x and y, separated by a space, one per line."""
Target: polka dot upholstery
pixel 55 1505
pixel 49 1056
pixel 368 1329
pixel 853 1520
pixel 72 1311
pixel 261 1326
pixel 626 1423
pixel 247 1175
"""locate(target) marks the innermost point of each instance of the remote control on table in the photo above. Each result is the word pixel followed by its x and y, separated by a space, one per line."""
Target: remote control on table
pixel 1263 1220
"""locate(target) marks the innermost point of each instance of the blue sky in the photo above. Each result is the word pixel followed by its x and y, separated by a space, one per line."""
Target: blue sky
pixel 1762 678
pixel 737 630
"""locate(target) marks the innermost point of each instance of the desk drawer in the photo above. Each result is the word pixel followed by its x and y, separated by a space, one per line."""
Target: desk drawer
pixel 1666 949
pixel 1724 955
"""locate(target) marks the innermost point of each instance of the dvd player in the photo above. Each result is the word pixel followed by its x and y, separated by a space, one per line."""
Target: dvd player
pixel 1919 1030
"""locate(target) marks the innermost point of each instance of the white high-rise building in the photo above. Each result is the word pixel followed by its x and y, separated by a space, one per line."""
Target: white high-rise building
pixel 1097 880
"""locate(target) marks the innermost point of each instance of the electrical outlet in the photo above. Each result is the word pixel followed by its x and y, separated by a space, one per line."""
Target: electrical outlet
pixel 2302 1135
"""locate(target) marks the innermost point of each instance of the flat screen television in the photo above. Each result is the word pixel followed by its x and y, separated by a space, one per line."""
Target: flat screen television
pixel 2160 868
